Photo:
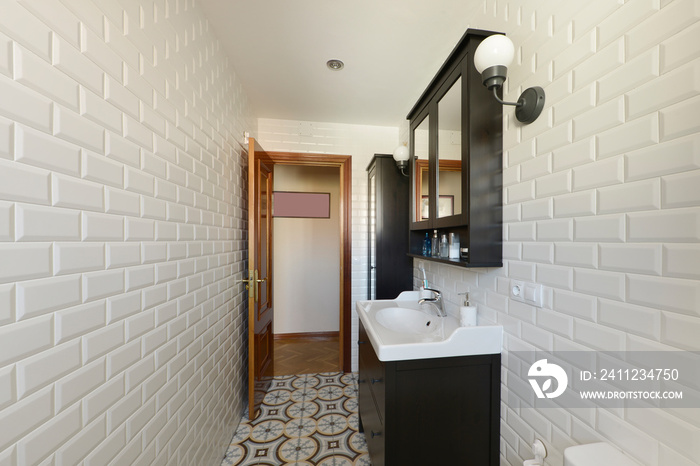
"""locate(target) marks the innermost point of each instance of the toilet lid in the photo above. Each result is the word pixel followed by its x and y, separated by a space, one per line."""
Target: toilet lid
pixel 596 454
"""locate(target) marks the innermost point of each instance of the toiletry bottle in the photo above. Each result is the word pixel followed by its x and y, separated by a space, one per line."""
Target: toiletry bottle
pixel 426 245
pixel 454 246
pixel 444 247
pixel 467 313
pixel 435 252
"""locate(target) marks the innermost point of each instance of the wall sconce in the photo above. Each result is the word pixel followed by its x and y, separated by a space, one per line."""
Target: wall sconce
pixel 492 58
pixel 401 158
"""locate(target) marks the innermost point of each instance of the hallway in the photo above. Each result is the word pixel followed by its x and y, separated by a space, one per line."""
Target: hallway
pixel 306 355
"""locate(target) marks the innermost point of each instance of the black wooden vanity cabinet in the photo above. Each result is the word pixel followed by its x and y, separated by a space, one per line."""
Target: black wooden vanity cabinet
pixel 425 412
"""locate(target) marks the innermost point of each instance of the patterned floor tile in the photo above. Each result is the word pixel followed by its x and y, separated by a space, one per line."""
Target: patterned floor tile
pixel 308 419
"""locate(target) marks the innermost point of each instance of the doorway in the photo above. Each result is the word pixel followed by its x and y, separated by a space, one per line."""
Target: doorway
pixel 329 349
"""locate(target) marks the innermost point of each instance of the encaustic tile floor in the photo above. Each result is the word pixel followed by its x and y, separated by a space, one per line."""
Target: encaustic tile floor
pixel 305 420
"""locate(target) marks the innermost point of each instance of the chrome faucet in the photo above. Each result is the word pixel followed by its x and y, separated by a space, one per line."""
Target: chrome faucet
pixel 436 300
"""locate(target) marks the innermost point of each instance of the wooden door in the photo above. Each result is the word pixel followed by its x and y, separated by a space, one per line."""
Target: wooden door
pixel 260 336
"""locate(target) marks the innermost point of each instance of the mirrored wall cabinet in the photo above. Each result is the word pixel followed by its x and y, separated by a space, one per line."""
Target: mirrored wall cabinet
pixel 456 131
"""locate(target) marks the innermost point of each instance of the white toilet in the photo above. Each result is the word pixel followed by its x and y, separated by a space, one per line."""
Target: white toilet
pixel 596 454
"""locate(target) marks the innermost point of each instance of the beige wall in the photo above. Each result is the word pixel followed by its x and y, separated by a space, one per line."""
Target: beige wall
pixel 306 286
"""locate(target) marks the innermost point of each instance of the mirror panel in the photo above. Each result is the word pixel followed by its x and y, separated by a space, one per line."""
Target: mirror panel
pixel 420 152
pixel 449 187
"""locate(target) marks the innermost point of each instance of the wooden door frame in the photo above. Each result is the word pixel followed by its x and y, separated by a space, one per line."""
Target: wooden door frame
pixel 344 164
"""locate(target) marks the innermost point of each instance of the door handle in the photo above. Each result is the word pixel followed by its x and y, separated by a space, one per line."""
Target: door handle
pixel 252 282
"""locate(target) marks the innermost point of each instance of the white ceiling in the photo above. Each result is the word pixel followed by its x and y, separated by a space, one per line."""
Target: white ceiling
pixel 391 50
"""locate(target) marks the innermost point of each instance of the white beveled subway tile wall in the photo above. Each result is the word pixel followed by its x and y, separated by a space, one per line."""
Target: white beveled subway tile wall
pixel 602 207
pixel 122 231
pixel 361 142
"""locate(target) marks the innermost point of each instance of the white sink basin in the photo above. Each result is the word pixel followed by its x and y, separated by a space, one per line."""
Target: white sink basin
pixel 401 329
pixel 404 320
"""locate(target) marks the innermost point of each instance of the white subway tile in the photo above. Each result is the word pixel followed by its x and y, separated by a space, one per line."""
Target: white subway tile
pixel 629 197
pixel 123 305
pixel 680 331
pixel 598 337
pixel 97 401
pixel 671 226
pixel 601 173
pixel 139 277
pixel 680 260
pixel 597 120
pixel 576 104
pixel 592 15
pixel 535 168
pixel 7 144
pixel 624 19
pixel 523 231
pixel 598 283
pixel 68 59
pixel 80 320
pixel 635 134
pixel 121 202
pixel 118 148
pixel 559 136
pixel 576 254
pixel 77 257
pixel 538 252
pixel 102 227
pixel 668 429
pixel 98 110
pixel 80 445
pixel 21 183
pixel 139 182
pixel 555 230
pixel 628 438
pixel 44 151
pixel 154 165
pixel 520 192
pixel 44 440
pixel 639 320
pixel 137 133
pixel 154 296
pixel 76 193
pixel 139 229
pixel 152 120
pixel 24 261
pixel 670 88
pixel 26 29
pixel 670 19
pixel 575 204
pixel 120 255
pixel 675 51
pixel 40 370
pixel 138 372
pixel 7 305
pixel 555 276
pixel 553 185
pixel 37 223
pixel 102 284
pixel 100 169
pixel 36 73
pixel 632 74
pixel 680 119
pixel 681 190
pixel 57 17
pixel 7 386
pixel 555 322
pixel 601 63
pixel 540 209
pixel 165 190
pixel 582 48
pixel 518 154
pixel 119 43
pixel 108 449
pixel 5 55
pixel 675 156
pixel 22 339
pixel 673 294
pixel 25 416
pixel 153 208
pixel 631 258
pixel 74 128
pixel 96 50
pixel 37 297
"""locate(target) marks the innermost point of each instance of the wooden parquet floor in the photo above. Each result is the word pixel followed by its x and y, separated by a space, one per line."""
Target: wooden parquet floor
pixel 306 356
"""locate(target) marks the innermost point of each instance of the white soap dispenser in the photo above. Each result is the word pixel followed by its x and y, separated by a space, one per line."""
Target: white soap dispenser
pixel 467 313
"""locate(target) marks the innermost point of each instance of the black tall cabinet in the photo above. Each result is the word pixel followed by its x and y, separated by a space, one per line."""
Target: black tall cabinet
pixel 390 269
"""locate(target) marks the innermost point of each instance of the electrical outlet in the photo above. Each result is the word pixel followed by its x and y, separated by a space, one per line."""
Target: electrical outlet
pixel 530 293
